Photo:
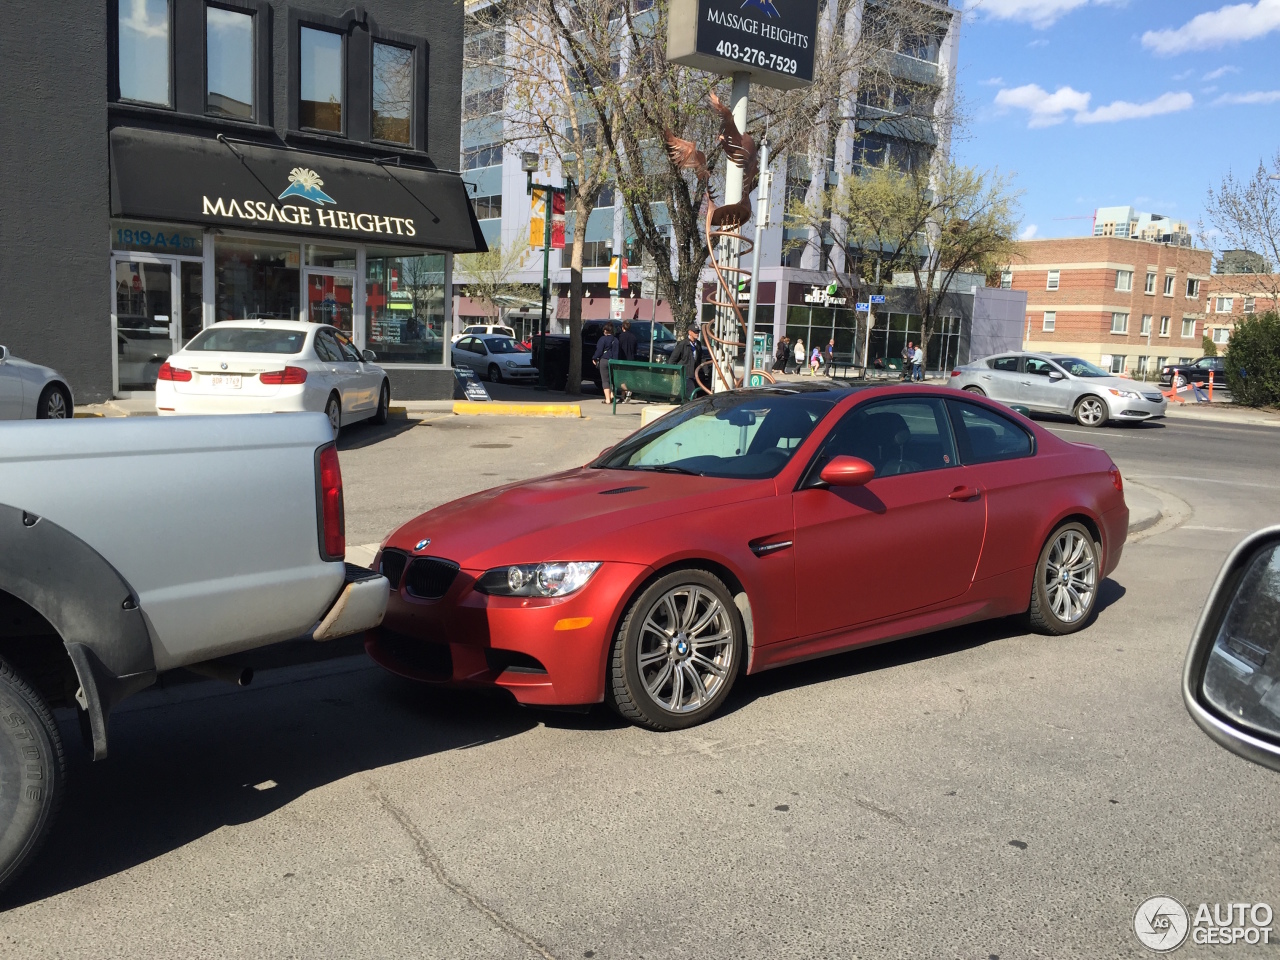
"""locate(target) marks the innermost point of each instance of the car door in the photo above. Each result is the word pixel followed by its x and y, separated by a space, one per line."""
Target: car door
pixel 340 370
pixel 10 389
pixel 1045 385
pixel 366 381
pixel 910 538
pixel 464 352
pixel 1000 380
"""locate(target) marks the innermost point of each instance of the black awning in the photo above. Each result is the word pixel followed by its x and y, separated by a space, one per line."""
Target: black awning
pixel 186 179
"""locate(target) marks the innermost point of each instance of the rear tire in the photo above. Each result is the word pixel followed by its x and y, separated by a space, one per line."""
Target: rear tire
pixel 1065 590
pixel 975 390
pixel 333 410
pixel 1091 411
pixel 33 772
pixel 54 403
pixel 384 404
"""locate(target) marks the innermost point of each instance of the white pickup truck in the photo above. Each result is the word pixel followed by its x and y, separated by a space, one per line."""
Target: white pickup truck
pixel 129 547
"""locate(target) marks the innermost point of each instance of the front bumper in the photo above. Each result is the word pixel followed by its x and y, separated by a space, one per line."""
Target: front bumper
pixel 1126 408
pixel 549 652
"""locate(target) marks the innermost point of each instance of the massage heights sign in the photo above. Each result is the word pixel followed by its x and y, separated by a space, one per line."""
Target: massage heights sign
pixel 773 40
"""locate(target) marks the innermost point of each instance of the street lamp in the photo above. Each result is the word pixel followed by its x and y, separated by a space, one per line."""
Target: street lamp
pixel 529 163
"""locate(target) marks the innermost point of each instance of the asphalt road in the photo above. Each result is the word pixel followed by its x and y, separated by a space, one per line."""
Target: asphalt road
pixel 978 793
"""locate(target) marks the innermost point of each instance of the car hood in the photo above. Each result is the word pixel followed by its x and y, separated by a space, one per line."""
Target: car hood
pixel 577 515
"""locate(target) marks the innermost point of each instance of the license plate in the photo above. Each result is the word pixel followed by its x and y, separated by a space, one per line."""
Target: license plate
pixel 227 380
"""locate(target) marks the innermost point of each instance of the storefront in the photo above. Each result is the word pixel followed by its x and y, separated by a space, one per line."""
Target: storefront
pixel 249 231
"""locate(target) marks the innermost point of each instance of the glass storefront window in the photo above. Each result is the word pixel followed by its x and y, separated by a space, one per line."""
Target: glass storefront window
pixel 321 77
pixel 405 307
pixel 343 258
pixel 392 92
pixel 139 236
pixel 256 279
pixel 229 63
pixel 144 52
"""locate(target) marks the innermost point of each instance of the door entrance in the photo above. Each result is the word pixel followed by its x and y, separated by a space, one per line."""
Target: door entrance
pixel 330 298
pixel 157 307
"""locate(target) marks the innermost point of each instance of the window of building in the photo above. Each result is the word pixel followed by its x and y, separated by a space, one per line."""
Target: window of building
pixel 256 279
pixel 392 93
pixel 1117 362
pixel 1188 328
pixel 405 306
pixel 1249 304
pixel 1151 282
pixel 1006 279
pixel 1143 366
pixel 1124 280
pixel 480 103
pixel 1193 289
pixel 605 197
pixel 229 66
pixel 1221 335
pixel 1224 304
pixel 1052 282
pixel 597 253
pixel 322 80
pixel 1050 319
pixel 145 61
pixel 1168 285
pixel 481 155
pixel 1146 325
pixel 1119 323
pixel 1164 326
pixel 488 208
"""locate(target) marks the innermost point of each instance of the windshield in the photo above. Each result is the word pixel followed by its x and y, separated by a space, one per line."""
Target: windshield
pixel 746 435
pixel 502 345
pixel 1080 368
pixel 242 340
pixel 660 335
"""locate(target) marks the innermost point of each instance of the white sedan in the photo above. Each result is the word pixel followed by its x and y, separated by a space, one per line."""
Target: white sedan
pixel 273 366
pixel 495 357
pixel 29 391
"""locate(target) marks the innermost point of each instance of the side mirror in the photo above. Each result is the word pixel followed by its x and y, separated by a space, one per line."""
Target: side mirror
pixel 4 354
pixel 1231 682
pixel 1057 375
pixel 847 472
pixel 369 355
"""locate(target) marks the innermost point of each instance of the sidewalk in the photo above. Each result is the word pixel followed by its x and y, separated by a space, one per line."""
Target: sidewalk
pixel 1217 412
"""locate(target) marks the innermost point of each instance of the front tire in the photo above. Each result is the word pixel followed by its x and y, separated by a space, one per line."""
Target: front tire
pixel 495 375
pixel 32 771
pixel 333 410
pixel 1065 591
pixel 977 391
pixel 1091 411
pixel 384 404
pixel 676 653
pixel 54 403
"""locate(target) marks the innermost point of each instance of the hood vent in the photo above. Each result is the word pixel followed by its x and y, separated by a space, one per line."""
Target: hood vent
pixel 609 493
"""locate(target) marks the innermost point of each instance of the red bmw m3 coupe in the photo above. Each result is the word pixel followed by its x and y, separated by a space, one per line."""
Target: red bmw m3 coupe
pixel 745 531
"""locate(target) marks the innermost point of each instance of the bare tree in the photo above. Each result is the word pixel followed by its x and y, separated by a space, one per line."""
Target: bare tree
pixel 1247 216
pixel 487 276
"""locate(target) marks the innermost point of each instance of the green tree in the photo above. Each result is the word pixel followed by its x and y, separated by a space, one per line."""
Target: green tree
pixel 1208 347
pixel 1253 361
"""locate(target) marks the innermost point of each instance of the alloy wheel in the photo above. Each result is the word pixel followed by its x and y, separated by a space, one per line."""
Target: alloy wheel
pixel 333 410
pixel 686 649
pixel 55 407
pixel 1071 576
pixel 1090 412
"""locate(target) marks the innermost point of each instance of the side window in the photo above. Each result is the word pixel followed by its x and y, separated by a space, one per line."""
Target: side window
pixel 1206 364
pixel 349 352
pixel 467 344
pixel 326 349
pixel 1007 364
pixel 985 436
pixel 894 436
pixel 1038 367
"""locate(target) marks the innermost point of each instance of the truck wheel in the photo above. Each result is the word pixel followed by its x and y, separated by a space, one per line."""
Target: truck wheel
pixel 32 772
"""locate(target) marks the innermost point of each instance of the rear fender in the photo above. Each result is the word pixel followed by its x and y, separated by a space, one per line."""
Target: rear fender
pixel 88 602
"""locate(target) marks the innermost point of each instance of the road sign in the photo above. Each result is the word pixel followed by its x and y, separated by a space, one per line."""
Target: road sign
pixel 773 40
pixel 615 308
pixel 862 307
pixel 877 298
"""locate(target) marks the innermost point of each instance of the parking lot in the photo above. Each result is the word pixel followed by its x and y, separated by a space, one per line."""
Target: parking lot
pixel 977 793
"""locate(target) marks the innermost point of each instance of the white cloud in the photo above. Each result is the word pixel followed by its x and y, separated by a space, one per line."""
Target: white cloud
pixel 1233 23
pixel 1045 109
pixel 1038 42
pixel 1028 232
pixel 1038 13
pixel 1049 109
pixel 1178 77
pixel 1124 110
pixel 992 82
pixel 1253 96
pixel 1219 73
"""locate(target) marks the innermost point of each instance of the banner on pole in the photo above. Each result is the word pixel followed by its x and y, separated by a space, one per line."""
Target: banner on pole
pixel 557 221
pixel 538 222
pixel 618 273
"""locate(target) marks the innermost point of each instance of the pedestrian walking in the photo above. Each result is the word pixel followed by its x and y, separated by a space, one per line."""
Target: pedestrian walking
pixel 830 356
pixel 917 364
pixel 626 351
pixel 799 355
pixel 815 361
pixel 908 354
pixel 606 350
pixel 782 355
pixel 685 355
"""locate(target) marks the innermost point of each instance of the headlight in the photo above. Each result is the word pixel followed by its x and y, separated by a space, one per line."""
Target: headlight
pixel 537 579
pixel 512 363
pixel 1128 394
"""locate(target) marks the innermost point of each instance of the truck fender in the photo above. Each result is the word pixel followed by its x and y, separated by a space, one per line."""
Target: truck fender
pixel 88 602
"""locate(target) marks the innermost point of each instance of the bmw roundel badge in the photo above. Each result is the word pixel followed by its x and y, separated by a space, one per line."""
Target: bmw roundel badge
pixel 421 544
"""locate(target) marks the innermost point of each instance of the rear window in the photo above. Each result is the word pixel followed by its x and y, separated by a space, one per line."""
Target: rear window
pixel 1008 364
pixel 243 340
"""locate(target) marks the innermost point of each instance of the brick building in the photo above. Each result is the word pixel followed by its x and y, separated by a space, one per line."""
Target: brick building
pixel 1230 296
pixel 1127 304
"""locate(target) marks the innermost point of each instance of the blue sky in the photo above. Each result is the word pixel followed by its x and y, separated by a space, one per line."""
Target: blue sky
pixel 1096 103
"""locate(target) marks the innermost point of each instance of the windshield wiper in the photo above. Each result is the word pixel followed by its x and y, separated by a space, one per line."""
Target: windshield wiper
pixel 667 468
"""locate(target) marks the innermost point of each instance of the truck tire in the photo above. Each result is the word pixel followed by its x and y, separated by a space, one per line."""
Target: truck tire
pixel 32 773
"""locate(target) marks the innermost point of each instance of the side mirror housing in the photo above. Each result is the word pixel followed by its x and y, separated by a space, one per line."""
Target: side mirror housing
pixel 4 354
pixel 847 472
pixel 1231 682
pixel 1057 375
pixel 369 355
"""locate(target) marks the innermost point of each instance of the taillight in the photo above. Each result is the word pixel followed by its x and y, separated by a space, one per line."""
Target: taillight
pixel 286 376
pixel 173 373
pixel 955 373
pixel 1117 480
pixel 333 534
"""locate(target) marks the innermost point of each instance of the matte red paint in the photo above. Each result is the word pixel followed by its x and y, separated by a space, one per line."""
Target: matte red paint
pixel 895 557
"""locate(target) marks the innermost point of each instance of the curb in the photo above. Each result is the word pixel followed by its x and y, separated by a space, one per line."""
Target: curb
pixel 1173 512
pixel 518 409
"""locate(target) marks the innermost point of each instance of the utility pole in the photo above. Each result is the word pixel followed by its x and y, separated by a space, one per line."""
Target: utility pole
pixel 762 220
pixel 529 163
pixel 733 194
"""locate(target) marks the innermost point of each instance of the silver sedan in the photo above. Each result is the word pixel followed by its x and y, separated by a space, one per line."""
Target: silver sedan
pixel 1057 383
pixel 495 357
pixel 29 391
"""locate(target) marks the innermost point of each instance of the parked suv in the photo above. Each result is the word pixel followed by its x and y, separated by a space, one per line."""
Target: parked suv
pixel 1196 372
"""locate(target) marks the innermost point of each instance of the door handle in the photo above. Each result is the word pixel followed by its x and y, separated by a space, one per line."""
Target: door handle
pixel 1024 383
pixel 965 493
pixel 984 376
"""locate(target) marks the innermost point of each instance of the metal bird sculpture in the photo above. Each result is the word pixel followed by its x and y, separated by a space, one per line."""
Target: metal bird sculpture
pixel 686 156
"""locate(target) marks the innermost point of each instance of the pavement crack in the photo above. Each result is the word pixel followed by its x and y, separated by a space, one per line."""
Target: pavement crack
pixel 432 861
pixel 879 811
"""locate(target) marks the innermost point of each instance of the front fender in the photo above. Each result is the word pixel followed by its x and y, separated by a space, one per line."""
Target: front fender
pixel 88 602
